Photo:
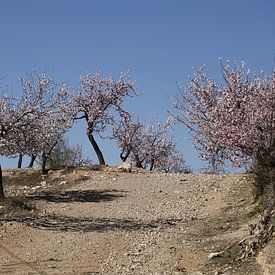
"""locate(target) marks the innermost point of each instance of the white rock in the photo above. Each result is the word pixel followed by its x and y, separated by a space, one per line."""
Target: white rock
pixel 214 255
pixel 125 166
pixel 43 183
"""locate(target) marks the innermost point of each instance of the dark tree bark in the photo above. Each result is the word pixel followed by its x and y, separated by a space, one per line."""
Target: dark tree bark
pixel 96 148
pixel 272 183
pixel 20 160
pixel 152 165
pixel 124 157
pixel 2 195
pixel 43 165
pixel 138 162
pixel 33 158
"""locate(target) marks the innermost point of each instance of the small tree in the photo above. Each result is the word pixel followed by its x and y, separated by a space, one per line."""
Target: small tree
pixel 53 117
pixel 33 123
pixel 148 146
pixel 128 135
pixel 174 162
pixel 95 101
pixel 64 156
pixel 235 118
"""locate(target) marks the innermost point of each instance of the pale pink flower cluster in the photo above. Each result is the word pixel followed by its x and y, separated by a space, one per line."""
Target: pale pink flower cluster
pixel 97 98
pixel 35 121
pixel 234 120
pixel 149 147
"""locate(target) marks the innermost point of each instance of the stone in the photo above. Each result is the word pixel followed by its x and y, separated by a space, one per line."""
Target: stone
pixel 125 166
pixel 214 255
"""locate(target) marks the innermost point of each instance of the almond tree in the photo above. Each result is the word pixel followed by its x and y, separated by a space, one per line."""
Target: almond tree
pixel 148 146
pixel 44 113
pixel 12 120
pixel 96 101
pixel 234 120
pixel 173 162
pixel 52 118
pixel 128 135
pixel 157 143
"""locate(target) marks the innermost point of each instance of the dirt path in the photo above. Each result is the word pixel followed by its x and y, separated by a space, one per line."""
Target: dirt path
pixel 131 223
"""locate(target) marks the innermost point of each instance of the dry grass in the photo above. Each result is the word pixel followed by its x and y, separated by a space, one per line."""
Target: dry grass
pixel 16 205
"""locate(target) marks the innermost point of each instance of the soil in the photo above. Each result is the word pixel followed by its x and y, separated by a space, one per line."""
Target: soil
pixel 104 221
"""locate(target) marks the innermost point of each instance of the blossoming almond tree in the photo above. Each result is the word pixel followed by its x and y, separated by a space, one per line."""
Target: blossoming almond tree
pixel 157 144
pixel 148 147
pixel 12 120
pixel 52 118
pixel 34 122
pixel 234 120
pixel 128 135
pixel 96 101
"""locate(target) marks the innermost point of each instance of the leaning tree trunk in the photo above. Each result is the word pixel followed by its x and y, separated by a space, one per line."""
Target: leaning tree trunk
pixel 43 164
pixel 33 158
pixel 138 162
pixel 124 157
pixel 2 195
pixel 20 160
pixel 96 148
pixel 152 165
pixel 272 183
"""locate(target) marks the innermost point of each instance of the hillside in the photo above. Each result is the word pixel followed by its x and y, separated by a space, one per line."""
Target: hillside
pixel 104 221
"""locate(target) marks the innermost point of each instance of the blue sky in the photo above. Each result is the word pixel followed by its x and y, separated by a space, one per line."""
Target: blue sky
pixel 159 41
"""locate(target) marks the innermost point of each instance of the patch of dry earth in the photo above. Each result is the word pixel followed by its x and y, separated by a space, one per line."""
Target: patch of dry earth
pixel 131 223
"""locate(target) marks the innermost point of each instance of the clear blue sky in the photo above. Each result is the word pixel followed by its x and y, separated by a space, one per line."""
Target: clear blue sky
pixel 158 41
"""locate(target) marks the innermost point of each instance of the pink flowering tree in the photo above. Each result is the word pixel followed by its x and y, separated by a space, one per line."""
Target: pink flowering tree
pixel 53 115
pixel 172 162
pixel 149 147
pixel 12 120
pixel 38 119
pixel 128 135
pixel 234 120
pixel 97 100
pixel 157 144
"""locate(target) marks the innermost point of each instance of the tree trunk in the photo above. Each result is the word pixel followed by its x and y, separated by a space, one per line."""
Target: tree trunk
pixel 124 157
pixel 20 160
pixel 43 165
pixel 96 148
pixel 33 157
pixel 152 165
pixel 2 195
pixel 272 182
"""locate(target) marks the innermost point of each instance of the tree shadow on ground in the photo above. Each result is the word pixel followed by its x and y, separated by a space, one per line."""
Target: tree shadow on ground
pixel 75 224
pixel 78 195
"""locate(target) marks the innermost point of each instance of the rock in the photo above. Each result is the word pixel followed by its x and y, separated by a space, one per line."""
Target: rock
pixel 43 183
pixel 125 166
pixel 35 187
pixel 214 255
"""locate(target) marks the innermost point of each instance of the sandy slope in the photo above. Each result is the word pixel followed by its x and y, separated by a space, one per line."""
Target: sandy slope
pixel 110 222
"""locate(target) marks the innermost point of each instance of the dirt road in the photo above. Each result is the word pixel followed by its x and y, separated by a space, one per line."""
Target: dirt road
pixel 110 222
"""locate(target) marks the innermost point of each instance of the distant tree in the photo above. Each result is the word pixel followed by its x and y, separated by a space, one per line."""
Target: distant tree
pixel 235 118
pixel 12 120
pixel 44 113
pixel 96 101
pixel 64 156
pixel 173 162
pixel 157 144
pixel 52 118
pixel 148 147
pixel 128 135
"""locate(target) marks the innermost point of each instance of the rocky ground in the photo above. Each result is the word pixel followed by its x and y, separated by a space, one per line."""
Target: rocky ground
pixel 104 221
